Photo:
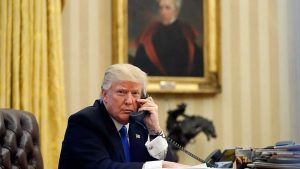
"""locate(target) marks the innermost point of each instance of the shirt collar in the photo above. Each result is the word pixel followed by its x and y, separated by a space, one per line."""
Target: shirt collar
pixel 171 22
pixel 119 125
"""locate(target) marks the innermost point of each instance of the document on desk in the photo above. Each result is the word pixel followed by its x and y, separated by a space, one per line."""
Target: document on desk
pixel 200 166
pixel 203 165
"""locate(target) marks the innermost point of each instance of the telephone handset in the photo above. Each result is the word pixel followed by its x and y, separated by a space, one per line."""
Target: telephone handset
pixel 138 117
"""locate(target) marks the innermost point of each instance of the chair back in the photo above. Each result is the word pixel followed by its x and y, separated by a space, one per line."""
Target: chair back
pixel 19 140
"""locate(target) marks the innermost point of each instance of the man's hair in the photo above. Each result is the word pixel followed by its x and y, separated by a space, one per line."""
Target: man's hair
pixel 176 2
pixel 124 72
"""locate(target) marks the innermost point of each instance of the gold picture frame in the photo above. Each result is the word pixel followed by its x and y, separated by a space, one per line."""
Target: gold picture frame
pixel 209 83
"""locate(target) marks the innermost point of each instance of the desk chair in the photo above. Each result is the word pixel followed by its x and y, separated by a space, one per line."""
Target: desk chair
pixel 19 140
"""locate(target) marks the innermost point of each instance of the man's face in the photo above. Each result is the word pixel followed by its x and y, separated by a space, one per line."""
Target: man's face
pixel 120 99
pixel 168 11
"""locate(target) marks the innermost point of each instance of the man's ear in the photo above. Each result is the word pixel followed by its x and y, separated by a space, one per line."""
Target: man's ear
pixel 103 94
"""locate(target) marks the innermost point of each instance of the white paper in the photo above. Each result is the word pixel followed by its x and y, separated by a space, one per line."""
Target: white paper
pixel 200 166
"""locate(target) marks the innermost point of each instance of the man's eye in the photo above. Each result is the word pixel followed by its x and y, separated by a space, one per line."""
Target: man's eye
pixel 136 94
pixel 121 92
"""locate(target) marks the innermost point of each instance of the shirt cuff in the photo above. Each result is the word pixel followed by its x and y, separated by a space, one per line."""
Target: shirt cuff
pixel 152 165
pixel 157 147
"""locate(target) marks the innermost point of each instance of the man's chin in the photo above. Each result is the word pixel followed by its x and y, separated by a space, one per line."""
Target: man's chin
pixel 125 119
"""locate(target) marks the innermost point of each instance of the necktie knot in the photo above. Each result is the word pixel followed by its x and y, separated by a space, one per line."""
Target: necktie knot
pixel 123 133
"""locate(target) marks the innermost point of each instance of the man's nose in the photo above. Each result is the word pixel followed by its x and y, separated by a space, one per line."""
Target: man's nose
pixel 129 98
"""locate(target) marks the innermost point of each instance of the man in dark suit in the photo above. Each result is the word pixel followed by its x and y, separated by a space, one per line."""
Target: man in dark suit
pixel 97 136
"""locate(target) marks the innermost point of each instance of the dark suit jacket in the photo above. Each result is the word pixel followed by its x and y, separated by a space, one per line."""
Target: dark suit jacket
pixel 93 142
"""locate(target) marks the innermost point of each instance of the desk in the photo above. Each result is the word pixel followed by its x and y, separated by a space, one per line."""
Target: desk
pixel 272 157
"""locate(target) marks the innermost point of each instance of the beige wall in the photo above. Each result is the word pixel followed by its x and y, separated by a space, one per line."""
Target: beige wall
pixel 259 103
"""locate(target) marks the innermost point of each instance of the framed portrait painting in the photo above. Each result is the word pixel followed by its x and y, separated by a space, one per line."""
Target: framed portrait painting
pixel 176 42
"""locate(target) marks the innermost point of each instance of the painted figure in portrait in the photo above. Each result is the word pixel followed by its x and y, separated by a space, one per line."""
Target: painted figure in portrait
pixel 167 39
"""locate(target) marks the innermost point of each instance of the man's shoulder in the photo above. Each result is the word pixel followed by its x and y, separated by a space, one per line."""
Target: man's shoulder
pixel 187 28
pixel 89 114
pixel 148 31
pixel 183 23
pixel 90 122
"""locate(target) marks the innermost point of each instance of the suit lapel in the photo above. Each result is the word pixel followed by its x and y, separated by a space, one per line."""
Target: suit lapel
pixel 116 141
pixel 114 137
pixel 137 138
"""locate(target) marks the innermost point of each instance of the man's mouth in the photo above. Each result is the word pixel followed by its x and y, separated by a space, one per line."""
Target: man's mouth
pixel 128 111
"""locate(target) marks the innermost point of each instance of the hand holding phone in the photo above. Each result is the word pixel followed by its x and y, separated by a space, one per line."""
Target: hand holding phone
pixel 147 115
pixel 138 117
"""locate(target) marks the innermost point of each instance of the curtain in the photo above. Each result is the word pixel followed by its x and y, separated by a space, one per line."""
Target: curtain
pixel 31 68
